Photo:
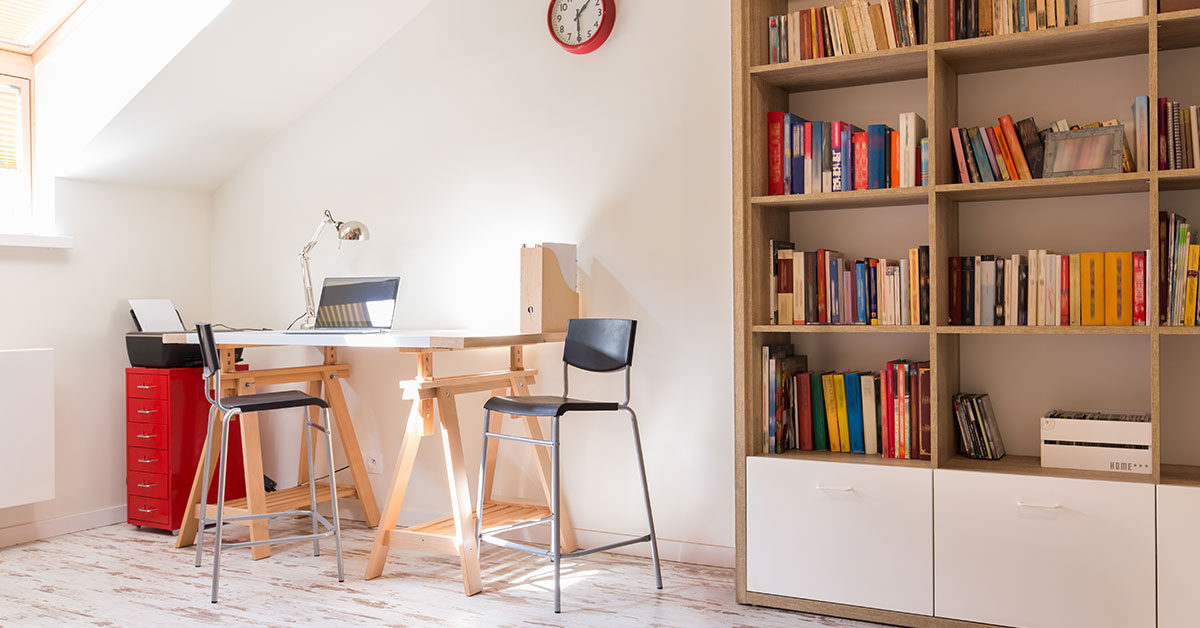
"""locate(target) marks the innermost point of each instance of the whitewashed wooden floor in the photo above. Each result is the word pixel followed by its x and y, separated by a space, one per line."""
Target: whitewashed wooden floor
pixel 118 576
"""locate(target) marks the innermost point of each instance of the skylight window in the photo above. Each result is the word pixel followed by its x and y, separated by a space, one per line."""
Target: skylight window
pixel 27 23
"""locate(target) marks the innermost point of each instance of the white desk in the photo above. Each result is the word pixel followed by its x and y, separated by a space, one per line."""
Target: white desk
pixel 454 534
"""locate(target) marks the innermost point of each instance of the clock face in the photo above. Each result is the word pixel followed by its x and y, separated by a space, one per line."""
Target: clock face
pixel 575 22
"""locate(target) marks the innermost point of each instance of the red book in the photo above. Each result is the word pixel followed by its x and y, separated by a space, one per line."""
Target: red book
pixel 894 157
pixel 804 410
pixel 901 393
pixel 821 33
pixel 952 28
pixel 775 152
pixel 860 160
pixel 1139 287
pixel 955 302
pixel 963 176
pixel 1064 291
pixel 1163 129
pixel 805 36
pixel 822 275
pixel 885 404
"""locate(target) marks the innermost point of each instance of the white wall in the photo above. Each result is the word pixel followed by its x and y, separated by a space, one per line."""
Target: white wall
pixel 469 133
pixel 129 242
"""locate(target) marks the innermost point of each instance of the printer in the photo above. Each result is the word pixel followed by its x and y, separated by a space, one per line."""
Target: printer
pixel 146 348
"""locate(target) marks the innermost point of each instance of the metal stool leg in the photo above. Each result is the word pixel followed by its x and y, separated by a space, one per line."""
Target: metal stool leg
pixel 333 496
pixel 555 540
pixel 221 502
pixel 487 421
pixel 637 442
pixel 203 507
pixel 312 474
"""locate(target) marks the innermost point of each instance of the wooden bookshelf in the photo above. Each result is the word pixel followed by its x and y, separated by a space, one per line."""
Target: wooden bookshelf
pixel 758 218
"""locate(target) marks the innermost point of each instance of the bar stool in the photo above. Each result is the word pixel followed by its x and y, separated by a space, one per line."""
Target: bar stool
pixel 232 407
pixel 599 345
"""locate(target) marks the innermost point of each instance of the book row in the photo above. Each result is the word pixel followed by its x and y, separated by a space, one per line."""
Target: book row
pixel 979 435
pixel 981 18
pixel 1049 289
pixel 823 287
pixel 811 157
pixel 884 412
pixel 1178 135
pixel 1179 267
pixel 845 29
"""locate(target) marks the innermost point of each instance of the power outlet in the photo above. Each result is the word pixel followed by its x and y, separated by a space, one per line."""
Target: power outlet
pixel 374 464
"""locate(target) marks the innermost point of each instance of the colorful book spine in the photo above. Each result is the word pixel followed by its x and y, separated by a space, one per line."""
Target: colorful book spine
pixel 877 165
pixel 854 411
pixel 1139 287
pixel 775 152
pixel 924 161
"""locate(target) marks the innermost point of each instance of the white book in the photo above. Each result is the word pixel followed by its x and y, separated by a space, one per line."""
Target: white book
pixel 881 302
pixel 885 288
pixel 987 300
pixel 1038 304
pixel 836 40
pixel 904 293
pixel 1061 125
pixel 870 437
pixel 918 132
pixel 868 30
pixel 891 24
pixel 978 287
pixel 903 147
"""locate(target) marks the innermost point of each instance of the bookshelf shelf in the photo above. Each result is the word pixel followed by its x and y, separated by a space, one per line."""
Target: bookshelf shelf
pixel 1064 330
pixel 856 199
pixel 1047 188
pixel 898 64
pixel 842 329
pixel 1178 29
pixel 1179 331
pixel 1032 466
pixel 1117 38
pixel 1180 475
pixel 828 456
pixel 1179 179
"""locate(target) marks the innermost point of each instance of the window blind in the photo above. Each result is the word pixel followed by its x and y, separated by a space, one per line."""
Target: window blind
pixel 23 22
pixel 10 127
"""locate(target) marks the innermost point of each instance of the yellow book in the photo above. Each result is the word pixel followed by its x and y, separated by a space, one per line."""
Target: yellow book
pixel 839 391
pixel 1118 287
pixel 831 415
pixel 1091 288
pixel 914 290
pixel 1193 268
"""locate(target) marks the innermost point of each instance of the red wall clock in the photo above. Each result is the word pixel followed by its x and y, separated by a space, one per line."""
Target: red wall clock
pixel 581 26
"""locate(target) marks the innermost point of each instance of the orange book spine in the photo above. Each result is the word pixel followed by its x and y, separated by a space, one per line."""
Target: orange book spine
pixel 1006 153
pixel 895 139
pixel 1014 146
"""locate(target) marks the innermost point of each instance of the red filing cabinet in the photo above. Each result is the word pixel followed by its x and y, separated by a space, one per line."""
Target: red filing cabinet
pixel 166 416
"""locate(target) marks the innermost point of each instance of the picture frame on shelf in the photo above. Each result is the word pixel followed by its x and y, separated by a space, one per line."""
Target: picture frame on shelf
pixel 1083 152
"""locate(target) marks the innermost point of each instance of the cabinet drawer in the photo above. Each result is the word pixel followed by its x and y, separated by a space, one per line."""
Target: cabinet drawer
pixel 147 484
pixel 1042 552
pixel 148 435
pixel 148 510
pixel 1178 555
pixel 143 460
pixel 139 386
pixel 147 410
pixel 848 533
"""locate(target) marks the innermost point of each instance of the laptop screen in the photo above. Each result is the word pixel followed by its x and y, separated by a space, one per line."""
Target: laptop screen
pixel 353 302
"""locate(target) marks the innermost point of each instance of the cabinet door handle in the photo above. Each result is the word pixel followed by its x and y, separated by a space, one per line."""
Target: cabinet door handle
pixel 145 435
pixel 145 386
pixel 1024 504
pixel 144 485
pixel 147 509
pixel 147 460
pixel 840 489
pixel 147 411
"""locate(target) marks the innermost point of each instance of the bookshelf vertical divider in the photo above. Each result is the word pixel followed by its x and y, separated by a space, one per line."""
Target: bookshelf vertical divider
pixel 758 219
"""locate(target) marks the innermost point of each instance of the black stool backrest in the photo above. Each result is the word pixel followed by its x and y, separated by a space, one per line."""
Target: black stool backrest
pixel 599 344
pixel 208 348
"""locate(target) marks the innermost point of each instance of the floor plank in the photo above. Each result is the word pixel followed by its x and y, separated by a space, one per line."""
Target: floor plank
pixel 121 576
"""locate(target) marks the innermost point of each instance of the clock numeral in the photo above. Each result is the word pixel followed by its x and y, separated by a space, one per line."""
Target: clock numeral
pixel 558 17
pixel 564 6
pixel 589 33
pixel 561 28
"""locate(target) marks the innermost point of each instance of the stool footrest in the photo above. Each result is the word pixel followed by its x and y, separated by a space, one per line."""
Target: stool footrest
pixel 286 539
pixel 329 531
pixel 518 526
pixel 605 548
pixel 520 547
pixel 519 439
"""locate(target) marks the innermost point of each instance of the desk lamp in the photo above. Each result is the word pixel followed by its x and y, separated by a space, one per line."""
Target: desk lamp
pixel 349 231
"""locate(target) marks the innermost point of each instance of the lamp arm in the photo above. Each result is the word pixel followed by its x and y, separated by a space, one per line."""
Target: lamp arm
pixel 310 308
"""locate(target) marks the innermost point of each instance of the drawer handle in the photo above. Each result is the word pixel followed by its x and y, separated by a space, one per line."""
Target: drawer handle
pixel 840 489
pixel 147 460
pixel 147 509
pixel 146 386
pixel 1024 504
pixel 144 485
pixel 147 411
pixel 145 435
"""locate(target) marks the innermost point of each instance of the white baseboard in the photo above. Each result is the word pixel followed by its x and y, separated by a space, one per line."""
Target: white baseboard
pixel 37 530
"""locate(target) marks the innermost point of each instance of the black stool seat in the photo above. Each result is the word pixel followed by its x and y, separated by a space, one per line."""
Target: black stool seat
pixel 262 402
pixel 546 405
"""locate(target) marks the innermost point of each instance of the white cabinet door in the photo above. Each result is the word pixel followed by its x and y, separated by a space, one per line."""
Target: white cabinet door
pixel 1041 552
pixel 1178 555
pixel 849 533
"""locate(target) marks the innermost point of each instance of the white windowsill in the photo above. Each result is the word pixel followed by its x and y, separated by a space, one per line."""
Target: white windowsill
pixel 33 241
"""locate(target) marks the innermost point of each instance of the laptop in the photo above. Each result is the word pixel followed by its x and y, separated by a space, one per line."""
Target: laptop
pixel 349 305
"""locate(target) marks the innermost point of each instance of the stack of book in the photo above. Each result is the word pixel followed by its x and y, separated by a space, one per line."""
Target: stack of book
pixel 883 412
pixel 1178 135
pixel 978 434
pixel 1179 266
pixel 822 287
pixel 1106 288
pixel 806 157
pixel 845 29
pixel 980 18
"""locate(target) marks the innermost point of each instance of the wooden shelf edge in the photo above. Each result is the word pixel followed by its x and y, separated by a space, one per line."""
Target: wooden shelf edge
pixel 854 199
pixel 1122 183
pixel 883 66
pixel 1180 475
pixel 861 613
pixel 1188 179
pixel 1032 466
pixel 842 329
pixel 847 458
pixel 1043 330
pixel 1082 42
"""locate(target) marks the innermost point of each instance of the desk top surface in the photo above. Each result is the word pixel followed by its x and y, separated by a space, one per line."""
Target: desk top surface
pixel 395 339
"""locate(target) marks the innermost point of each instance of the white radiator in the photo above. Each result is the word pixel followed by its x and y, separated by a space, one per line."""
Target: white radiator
pixel 26 426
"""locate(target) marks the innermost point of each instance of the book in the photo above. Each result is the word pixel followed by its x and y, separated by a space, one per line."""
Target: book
pixel 998 154
pixel 987 290
pixel 925 412
pixel 869 416
pixel 964 175
pixel 877 149
pixel 860 161
pixel 797 164
pixel 923 283
pixel 785 315
pixel 981 157
pixel 1163 124
pixel 1141 124
pixel 1092 292
pixel 1193 271
pixel 893 159
pixel 854 411
pixel 1031 146
pixel 924 161
pixel 1073 287
pixel 775 152
pixel 831 412
pixel 843 419
pixel 1015 147
pixel 955 302
pixel 991 154
pixel 1139 287
pixel 968 291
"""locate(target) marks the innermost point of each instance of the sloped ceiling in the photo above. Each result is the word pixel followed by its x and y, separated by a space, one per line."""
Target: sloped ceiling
pixel 252 71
